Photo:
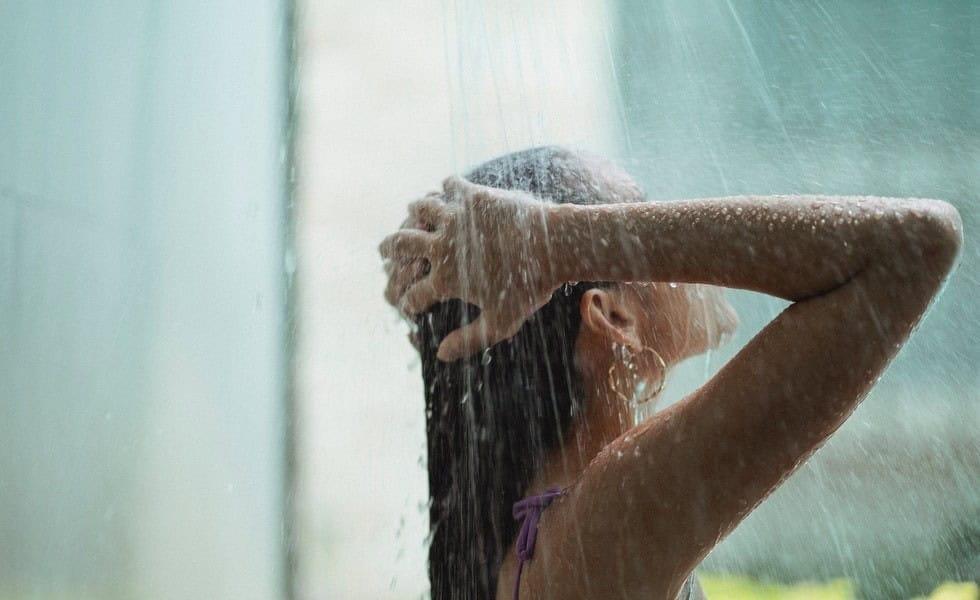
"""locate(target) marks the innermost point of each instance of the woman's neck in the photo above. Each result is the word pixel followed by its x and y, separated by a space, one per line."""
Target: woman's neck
pixel 606 418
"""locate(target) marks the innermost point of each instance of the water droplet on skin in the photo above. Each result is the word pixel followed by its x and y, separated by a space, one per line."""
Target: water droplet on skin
pixel 672 285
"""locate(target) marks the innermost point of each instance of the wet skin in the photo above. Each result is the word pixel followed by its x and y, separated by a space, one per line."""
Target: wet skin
pixel 645 504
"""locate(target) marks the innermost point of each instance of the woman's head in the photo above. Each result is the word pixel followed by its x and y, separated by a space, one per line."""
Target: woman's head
pixel 494 418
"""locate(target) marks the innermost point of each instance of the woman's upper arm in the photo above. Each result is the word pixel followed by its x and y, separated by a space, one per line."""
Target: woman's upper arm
pixel 655 502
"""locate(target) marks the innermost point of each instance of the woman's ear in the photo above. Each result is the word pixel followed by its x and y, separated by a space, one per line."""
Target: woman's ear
pixel 606 315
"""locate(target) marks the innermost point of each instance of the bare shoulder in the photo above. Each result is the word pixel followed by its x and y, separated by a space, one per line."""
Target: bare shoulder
pixel 593 542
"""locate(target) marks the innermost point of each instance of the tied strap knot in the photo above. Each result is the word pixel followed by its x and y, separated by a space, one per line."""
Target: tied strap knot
pixel 528 511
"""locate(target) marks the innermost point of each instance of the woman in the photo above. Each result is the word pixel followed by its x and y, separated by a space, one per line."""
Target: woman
pixel 532 378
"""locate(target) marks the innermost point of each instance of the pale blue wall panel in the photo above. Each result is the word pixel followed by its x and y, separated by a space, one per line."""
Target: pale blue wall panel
pixel 141 300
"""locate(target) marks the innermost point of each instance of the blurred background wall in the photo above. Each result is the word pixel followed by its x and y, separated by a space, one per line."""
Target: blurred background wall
pixel 141 299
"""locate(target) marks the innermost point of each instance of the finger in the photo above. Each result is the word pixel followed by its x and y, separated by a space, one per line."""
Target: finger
pixel 465 341
pixel 470 339
pixel 429 211
pixel 419 297
pixel 456 188
pixel 411 222
pixel 401 276
pixel 407 243
pixel 399 268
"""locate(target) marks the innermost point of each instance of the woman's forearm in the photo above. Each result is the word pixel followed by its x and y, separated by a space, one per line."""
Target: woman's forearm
pixel 507 253
pixel 793 247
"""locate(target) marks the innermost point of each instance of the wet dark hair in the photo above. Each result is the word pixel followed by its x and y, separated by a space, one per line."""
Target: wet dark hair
pixel 491 419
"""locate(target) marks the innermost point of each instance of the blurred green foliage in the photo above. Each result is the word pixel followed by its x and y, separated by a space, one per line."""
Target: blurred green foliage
pixel 733 587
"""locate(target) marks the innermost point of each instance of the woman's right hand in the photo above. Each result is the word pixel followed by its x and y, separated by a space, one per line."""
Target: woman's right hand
pixel 484 246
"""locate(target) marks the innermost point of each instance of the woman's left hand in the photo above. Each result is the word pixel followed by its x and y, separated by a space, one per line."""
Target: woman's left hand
pixel 482 245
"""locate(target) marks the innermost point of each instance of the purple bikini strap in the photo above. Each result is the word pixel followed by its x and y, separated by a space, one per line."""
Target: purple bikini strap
pixel 528 511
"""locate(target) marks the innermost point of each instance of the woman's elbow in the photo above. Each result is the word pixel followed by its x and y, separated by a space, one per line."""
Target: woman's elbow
pixel 930 240
pixel 943 234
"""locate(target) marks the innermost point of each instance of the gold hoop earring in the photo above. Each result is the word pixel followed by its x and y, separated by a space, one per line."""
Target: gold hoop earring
pixel 622 353
pixel 625 356
pixel 663 374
